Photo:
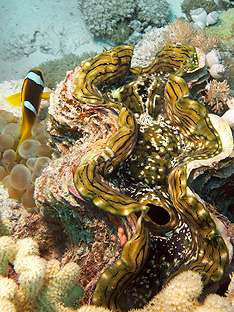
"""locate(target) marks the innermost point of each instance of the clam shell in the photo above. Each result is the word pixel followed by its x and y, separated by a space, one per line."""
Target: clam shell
pixel 228 117
pixel 225 134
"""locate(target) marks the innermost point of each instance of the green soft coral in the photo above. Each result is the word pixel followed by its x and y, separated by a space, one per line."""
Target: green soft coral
pixel 224 29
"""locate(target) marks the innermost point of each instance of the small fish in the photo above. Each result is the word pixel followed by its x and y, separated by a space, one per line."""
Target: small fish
pixel 29 99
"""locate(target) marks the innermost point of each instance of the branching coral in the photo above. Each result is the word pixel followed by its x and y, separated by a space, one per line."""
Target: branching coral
pixel 43 285
pixel 150 13
pixel 217 95
pixel 103 18
pixel 110 20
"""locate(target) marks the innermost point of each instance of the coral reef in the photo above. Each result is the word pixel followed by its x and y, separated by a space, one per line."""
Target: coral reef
pixel 128 143
pixel 115 21
pixel 43 285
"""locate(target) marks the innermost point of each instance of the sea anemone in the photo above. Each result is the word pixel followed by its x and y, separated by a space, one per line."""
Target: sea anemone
pixel 217 94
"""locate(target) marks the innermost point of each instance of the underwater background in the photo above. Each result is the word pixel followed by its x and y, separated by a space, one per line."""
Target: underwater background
pixel 34 32
pixel 117 174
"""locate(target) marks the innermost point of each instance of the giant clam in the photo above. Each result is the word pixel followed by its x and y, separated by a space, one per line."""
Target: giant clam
pixel 127 140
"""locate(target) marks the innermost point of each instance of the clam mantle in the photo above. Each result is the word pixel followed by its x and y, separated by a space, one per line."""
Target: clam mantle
pixel 125 141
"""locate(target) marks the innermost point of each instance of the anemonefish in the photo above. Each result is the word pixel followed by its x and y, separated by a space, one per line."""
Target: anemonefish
pixel 29 99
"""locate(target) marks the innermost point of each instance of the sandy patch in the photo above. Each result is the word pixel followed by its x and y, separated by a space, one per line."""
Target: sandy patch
pixel 33 32
pixel 36 31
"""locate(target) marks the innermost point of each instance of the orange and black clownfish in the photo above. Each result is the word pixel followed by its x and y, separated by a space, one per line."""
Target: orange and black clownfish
pixel 29 99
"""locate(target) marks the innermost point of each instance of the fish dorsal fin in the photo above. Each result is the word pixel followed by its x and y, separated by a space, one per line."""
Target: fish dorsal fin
pixel 14 100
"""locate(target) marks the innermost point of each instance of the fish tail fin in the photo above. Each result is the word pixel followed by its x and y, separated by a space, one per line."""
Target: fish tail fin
pixel 14 100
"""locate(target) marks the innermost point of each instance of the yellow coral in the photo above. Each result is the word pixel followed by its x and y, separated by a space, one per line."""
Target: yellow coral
pixel 230 291
pixel 31 269
pixel 27 246
pixel 180 294
pixel 215 303
pixel 43 285
pixel 8 289
pixel 60 283
pixel 7 252
pixel 7 305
